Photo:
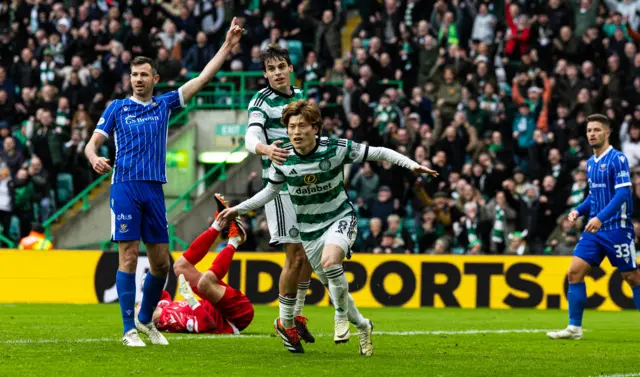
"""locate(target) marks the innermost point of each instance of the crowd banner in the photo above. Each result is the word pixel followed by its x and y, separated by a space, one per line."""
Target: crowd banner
pixel 410 281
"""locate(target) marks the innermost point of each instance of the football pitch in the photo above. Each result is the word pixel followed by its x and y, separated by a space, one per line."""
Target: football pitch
pixel 82 340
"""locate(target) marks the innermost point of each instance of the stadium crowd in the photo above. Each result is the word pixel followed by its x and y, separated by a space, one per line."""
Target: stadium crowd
pixel 492 94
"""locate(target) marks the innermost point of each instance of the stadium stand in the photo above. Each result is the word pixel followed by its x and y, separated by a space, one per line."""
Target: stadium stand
pixel 492 94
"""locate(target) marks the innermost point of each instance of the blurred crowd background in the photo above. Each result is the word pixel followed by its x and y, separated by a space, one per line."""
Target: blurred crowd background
pixel 492 94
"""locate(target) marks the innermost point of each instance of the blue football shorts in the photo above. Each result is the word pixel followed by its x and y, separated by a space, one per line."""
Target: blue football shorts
pixel 138 212
pixel 617 245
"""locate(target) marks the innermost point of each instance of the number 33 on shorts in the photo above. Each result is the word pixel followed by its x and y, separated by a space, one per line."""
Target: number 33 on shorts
pixel 624 251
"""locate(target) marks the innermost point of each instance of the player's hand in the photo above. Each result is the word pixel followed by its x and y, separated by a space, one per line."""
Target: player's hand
pixel 573 216
pixel 425 170
pixel 593 225
pixel 235 33
pixel 276 154
pixel 227 215
pixel 101 165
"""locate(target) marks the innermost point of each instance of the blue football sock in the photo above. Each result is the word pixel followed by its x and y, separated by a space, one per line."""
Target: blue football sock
pixel 151 293
pixel 126 288
pixel 636 296
pixel 577 296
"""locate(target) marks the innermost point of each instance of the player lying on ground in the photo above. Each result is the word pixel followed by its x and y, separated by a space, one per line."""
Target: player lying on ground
pixel 264 137
pixel 609 231
pixel 313 172
pixel 190 315
pixel 224 310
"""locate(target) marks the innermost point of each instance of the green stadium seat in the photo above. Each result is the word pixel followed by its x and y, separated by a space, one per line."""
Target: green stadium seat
pixel 295 51
pixel 14 229
pixel 408 210
pixel 104 151
pixel 410 225
pixel 353 195
pixel 363 225
pixel 65 187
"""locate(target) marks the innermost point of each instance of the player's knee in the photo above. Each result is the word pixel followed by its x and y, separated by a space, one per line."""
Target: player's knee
pixel 128 257
pixel 206 282
pixel 632 278
pixel 330 260
pixel 296 257
pixel 160 267
pixel 180 266
pixel 575 275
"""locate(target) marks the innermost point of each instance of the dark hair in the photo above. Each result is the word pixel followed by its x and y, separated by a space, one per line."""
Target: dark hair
pixel 274 52
pixel 600 118
pixel 140 60
pixel 37 227
pixel 309 111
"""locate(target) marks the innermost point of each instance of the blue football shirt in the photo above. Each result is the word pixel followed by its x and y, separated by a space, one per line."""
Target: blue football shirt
pixel 607 173
pixel 140 135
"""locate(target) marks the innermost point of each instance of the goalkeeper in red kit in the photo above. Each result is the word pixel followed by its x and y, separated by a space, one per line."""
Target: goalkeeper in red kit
pixel 223 309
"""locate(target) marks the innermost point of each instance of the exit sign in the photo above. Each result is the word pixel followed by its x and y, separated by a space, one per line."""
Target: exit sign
pixel 231 129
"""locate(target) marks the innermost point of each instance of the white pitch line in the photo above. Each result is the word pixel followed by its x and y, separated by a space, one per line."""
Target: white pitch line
pixel 253 336
pixel 619 375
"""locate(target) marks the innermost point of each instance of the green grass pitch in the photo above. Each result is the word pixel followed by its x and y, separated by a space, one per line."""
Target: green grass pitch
pixel 83 340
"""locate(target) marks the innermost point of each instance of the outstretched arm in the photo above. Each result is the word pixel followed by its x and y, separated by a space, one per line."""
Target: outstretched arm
pixel 389 155
pixel 193 86
pixel 259 200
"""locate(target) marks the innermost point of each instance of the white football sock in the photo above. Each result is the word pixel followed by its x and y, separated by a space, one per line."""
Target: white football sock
pixel 287 305
pixel 303 287
pixel 339 289
pixel 354 314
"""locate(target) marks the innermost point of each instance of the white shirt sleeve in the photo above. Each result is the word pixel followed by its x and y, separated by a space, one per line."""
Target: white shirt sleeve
pixel 253 137
pixel 259 200
pixel 267 194
pixel 389 155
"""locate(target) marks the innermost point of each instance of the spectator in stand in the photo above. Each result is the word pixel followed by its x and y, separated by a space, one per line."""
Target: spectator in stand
pixel 41 188
pixel 373 238
pixel 23 201
pixel 401 238
pixel 13 158
pixel 366 183
pixel 6 202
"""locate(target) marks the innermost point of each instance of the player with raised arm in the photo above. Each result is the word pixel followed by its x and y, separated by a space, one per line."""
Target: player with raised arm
pixel 265 136
pixel 313 172
pixel 223 310
pixel 609 231
pixel 140 126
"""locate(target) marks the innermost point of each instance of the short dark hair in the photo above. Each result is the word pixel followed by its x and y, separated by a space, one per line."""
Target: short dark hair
pixel 309 111
pixel 600 118
pixel 274 52
pixel 140 60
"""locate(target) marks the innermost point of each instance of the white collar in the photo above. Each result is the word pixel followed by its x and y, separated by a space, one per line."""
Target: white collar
pixel 140 102
pixel 596 159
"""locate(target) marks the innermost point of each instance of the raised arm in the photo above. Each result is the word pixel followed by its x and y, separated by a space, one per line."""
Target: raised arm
pixel 193 86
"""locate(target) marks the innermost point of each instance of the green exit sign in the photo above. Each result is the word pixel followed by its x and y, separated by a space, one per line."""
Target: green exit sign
pixel 231 129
